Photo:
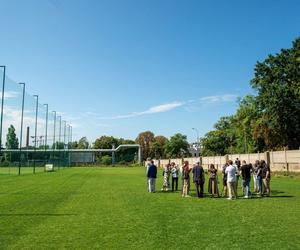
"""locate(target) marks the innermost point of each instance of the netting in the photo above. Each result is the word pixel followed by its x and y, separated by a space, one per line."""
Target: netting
pixel 39 136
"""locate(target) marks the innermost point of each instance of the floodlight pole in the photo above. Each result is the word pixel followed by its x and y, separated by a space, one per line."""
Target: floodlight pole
pixel 35 130
pixel 65 128
pixel 21 133
pixel 59 139
pixel 71 131
pixel 59 131
pixel 2 103
pixel 54 143
pixel 54 128
pixel 46 132
pixel 68 147
pixel 68 135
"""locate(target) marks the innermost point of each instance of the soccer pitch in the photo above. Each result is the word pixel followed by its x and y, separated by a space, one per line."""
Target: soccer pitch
pixel 109 208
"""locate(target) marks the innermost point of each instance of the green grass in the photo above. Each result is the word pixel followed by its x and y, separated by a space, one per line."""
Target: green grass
pixel 109 208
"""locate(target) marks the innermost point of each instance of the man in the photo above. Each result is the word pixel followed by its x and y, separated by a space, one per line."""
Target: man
pixel 151 175
pixel 198 179
pixel 224 180
pixel 238 163
pixel 231 180
pixel 266 176
pixel 174 171
pixel 246 177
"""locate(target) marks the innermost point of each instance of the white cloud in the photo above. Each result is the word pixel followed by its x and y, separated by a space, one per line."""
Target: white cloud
pixel 152 110
pixel 9 94
pixel 218 98
pixel 190 105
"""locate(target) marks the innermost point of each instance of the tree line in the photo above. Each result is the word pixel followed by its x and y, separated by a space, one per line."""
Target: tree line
pixel 268 120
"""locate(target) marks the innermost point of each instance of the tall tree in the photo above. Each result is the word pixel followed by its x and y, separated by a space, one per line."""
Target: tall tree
pixel 177 146
pixel 106 142
pixel 145 139
pixel 12 141
pixel 277 82
pixel 83 143
pixel 157 147
pixel 222 139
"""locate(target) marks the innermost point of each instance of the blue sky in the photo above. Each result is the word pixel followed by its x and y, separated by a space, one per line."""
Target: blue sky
pixel 122 67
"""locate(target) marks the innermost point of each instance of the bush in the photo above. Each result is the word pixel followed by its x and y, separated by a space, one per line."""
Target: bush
pixel 106 160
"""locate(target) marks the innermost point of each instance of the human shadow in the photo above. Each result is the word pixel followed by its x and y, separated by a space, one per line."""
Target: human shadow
pixel 275 192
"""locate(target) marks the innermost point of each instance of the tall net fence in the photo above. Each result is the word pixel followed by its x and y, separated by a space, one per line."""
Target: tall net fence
pixel 44 136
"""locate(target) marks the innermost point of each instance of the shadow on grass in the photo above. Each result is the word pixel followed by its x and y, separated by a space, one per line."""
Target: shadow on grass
pixel 33 215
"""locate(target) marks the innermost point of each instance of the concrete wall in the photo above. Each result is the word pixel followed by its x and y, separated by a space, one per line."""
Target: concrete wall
pixel 278 160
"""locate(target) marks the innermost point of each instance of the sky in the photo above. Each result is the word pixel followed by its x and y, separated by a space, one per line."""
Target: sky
pixel 122 67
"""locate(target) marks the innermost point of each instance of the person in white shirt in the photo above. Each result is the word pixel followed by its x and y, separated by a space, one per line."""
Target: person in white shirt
pixel 231 181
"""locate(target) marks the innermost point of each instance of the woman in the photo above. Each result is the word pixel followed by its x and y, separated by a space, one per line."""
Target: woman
pixel 213 181
pixel 174 172
pixel 166 175
pixel 186 179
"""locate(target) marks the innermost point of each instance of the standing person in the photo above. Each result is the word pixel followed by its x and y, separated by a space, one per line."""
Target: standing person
pixel 231 181
pixel 186 179
pixel 151 174
pixel 198 179
pixel 224 180
pixel 174 172
pixel 266 176
pixel 237 166
pixel 254 172
pixel 148 164
pixel 246 177
pixel 213 181
pixel 166 175
pixel 259 179
pixel 237 163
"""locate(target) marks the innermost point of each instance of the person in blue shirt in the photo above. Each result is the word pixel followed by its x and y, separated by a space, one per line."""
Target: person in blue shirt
pixel 198 179
pixel 151 175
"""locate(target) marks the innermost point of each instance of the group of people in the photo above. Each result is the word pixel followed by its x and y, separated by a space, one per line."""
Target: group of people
pixel 231 173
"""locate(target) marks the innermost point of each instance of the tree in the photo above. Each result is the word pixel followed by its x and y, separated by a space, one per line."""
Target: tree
pixel 145 139
pixel 244 122
pixel 125 155
pixel 73 145
pixel 177 146
pixel 222 140
pixel 106 142
pixel 157 147
pixel 83 143
pixel 12 141
pixel 277 82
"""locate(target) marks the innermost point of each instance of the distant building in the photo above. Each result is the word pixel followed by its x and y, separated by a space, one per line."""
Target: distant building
pixel 194 149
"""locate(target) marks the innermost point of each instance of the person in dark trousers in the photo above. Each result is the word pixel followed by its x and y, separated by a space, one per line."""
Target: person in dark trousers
pixel 266 176
pixel 175 173
pixel 259 178
pixel 224 180
pixel 246 170
pixel 151 175
pixel 237 163
pixel 198 179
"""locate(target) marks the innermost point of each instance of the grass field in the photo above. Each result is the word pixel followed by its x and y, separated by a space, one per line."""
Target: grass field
pixel 109 208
